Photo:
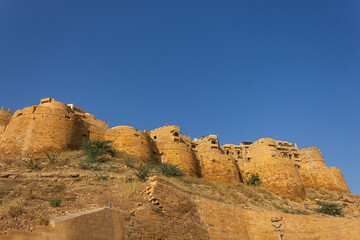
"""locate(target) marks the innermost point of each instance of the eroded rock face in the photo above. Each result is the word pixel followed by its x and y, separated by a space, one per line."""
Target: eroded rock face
pixel 314 172
pixel 215 164
pixel 176 149
pixel 133 142
pixel 272 160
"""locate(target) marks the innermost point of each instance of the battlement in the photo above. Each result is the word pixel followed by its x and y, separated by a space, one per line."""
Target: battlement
pixel 7 109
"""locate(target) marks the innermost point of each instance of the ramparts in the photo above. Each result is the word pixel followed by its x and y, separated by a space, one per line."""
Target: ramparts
pixel 282 167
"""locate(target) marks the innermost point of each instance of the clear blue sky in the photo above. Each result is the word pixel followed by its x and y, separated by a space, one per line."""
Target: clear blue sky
pixel 239 69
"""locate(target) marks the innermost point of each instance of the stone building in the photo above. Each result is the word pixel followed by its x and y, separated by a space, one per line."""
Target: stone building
pixel 282 167
pixel 274 162
pixel 314 172
pixel 133 142
pixel 215 164
pixel 176 149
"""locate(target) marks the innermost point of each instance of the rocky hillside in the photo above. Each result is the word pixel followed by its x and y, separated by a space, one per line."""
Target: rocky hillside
pixel 35 190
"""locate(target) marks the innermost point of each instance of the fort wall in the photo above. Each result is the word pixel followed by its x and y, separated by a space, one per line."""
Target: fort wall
pixel 277 171
pixel 176 149
pixel 339 180
pixel 215 164
pixel 133 142
pixel 314 172
pixel 49 126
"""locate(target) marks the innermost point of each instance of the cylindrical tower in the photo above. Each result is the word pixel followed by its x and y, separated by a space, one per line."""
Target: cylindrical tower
pixel 133 142
pixel 175 149
pixel 314 172
pixel 215 164
pixel 339 180
pixel 271 161
pixel 50 126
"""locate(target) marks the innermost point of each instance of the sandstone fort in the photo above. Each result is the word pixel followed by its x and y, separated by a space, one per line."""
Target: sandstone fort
pixel 283 168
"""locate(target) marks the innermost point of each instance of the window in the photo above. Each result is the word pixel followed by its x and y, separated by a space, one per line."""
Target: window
pixel 155 137
pixel 176 134
pixel 213 141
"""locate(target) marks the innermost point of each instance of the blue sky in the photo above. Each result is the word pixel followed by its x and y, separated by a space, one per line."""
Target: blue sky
pixel 239 69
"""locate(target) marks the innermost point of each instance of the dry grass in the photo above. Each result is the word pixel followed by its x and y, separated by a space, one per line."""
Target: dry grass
pixel 10 210
pixel 128 190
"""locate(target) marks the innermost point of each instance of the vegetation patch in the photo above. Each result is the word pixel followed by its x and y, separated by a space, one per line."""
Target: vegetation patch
pixel 55 202
pixel 254 180
pixel 332 209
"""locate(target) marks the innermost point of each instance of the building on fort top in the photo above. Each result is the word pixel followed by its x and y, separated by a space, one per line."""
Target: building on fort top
pixel 176 149
pixel 215 164
pixel 282 167
pixel 314 172
pixel 274 162
pixel 49 126
pixel 5 116
pixel 133 142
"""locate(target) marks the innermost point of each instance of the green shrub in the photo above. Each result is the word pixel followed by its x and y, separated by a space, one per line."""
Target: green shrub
pixel 51 156
pixel 95 149
pixel 170 170
pixel 33 163
pixel 329 208
pixel 55 202
pixel 142 172
pixel 254 180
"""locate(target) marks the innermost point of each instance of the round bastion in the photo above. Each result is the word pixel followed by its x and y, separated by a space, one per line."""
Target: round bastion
pixel 49 126
pixel 215 164
pixel 176 149
pixel 133 142
pixel 271 161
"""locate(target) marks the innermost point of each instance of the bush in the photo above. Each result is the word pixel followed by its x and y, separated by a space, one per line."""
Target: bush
pixel 170 170
pixel 332 209
pixel 143 172
pixel 93 150
pixel 55 202
pixel 33 163
pixel 51 156
pixel 254 180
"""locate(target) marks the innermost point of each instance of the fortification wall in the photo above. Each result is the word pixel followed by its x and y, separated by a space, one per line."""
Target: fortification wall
pixel 5 116
pixel 276 170
pixel 133 142
pixel 215 165
pixel 339 180
pixel 314 172
pixel 50 126
pixel 176 149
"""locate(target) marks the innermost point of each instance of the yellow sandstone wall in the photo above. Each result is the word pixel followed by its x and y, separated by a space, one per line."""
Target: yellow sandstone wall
pixel 176 149
pixel 314 172
pixel 339 179
pixel 5 116
pixel 133 142
pixel 215 164
pixel 49 126
pixel 276 170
